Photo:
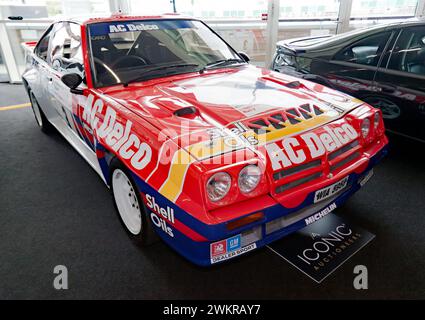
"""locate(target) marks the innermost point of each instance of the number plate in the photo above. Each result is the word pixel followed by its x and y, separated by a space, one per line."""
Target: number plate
pixel 329 191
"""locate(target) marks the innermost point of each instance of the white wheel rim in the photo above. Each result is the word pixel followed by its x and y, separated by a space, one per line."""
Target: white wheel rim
pixel 127 201
pixel 37 112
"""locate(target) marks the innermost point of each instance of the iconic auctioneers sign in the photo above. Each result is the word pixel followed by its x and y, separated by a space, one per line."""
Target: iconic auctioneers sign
pixel 321 247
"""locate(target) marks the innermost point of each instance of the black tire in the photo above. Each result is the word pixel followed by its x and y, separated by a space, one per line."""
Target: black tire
pixel 40 118
pixel 147 235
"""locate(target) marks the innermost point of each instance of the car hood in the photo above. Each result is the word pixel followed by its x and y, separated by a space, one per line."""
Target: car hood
pixel 247 97
pixel 301 44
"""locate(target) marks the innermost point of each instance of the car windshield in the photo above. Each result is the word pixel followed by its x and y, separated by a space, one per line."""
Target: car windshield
pixel 129 51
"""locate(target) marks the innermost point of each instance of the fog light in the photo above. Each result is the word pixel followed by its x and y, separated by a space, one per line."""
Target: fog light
pixel 250 236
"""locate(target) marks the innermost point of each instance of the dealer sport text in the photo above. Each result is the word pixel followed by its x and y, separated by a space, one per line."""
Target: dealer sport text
pixel 212 309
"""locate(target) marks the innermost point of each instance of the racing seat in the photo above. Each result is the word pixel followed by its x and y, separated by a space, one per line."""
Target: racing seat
pixel 417 64
pixel 104 49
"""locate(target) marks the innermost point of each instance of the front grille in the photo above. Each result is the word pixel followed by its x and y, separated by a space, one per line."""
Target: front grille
pixel 315 169
pixel 287 172
pixel 342 150
pixel 298 182
pixel 345 161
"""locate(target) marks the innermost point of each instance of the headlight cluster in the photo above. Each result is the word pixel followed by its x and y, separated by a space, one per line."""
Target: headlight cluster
pixel 366 124
pixel 283 59
pixel 376 120
pixel 218 185
pixel 365 127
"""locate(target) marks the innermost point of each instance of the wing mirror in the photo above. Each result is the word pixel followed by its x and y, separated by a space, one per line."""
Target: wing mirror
pixel 72 81
pixel 244 56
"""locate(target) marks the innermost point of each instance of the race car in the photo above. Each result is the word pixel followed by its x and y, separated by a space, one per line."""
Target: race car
pixel 213 155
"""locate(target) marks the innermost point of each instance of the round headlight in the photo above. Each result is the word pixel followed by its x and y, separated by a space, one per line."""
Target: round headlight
pixel 218 186
pixel 365 127
pixel 376 120
pixel 249 177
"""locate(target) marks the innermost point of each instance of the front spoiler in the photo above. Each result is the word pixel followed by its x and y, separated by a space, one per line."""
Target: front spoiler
pixel 200 252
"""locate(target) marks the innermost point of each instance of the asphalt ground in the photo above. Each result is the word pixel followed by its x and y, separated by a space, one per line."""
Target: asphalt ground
pixel 55 210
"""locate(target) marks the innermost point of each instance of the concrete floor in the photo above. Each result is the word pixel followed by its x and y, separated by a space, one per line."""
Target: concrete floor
pixel 55 210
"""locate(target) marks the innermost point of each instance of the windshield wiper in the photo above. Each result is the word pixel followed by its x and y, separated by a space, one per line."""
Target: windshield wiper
pixel 159 68
pixel 220 63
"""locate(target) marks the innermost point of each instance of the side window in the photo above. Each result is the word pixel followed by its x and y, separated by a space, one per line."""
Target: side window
pixel 409 52
pixel 43 45
pixel 366 51
pixel 65 52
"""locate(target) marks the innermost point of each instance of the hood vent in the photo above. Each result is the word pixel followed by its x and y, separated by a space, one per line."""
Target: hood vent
pixel 186 112
pixel 283 119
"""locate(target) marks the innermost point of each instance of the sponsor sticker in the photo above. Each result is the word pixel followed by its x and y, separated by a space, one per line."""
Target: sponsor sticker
pixel 329 191
pixel 234 243
pixel 228 248
pixel 233 253
pixel 218 248
pixel 319 215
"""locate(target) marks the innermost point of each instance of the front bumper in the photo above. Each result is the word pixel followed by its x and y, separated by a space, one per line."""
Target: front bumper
pixel 227 245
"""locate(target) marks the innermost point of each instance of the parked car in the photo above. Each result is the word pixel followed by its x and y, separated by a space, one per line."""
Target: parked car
pixel 383 65
pixel 217 156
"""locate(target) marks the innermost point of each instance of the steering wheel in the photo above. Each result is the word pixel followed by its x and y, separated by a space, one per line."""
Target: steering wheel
pixel 127 59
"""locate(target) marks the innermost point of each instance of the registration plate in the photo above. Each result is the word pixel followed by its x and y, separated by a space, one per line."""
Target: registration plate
pixel 329 191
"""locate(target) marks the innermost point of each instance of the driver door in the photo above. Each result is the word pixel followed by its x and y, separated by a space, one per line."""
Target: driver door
pixel 65 56
pixel 401 84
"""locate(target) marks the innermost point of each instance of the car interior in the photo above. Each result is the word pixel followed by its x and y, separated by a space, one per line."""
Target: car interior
pixel 414 59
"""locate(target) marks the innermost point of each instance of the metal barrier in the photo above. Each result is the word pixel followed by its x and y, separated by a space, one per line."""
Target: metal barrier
pixel 244 35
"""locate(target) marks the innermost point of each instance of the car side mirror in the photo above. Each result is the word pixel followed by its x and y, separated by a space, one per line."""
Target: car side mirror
pixel 72 81
pixel 244 56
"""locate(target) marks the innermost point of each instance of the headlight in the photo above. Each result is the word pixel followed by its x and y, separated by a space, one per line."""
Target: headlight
pixel 218 186
pixel 283 60
pixel 376 120
pixel 365 127
pixel 249 177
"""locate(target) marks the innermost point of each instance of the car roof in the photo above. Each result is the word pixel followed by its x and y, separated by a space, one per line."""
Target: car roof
pixel 90 19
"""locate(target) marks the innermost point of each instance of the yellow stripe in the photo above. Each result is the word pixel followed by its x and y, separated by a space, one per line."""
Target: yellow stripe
pixel 172 187
pixel 16 106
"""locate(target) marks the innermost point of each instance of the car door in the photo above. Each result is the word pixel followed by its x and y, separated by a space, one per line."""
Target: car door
pixel 40 72
pixel 65 56
pixel 401 84
pixel 352 68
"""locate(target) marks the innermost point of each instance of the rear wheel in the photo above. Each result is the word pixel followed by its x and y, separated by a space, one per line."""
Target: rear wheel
pixel 130 207
pixel 40 118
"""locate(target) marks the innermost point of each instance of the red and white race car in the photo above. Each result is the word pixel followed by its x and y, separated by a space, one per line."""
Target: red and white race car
pixel 217 156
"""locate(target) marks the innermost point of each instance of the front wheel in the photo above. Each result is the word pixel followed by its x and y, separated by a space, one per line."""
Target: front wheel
pixel 40 118
pixel 130 207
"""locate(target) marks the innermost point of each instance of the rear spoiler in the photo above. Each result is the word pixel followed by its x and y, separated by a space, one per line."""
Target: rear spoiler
pixel 29 46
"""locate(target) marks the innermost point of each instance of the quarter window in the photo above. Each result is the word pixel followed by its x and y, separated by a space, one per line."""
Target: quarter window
pixel 43 46
pixel 366 51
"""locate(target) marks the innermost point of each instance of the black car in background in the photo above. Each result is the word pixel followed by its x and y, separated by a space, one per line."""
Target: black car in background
pixel 383 65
